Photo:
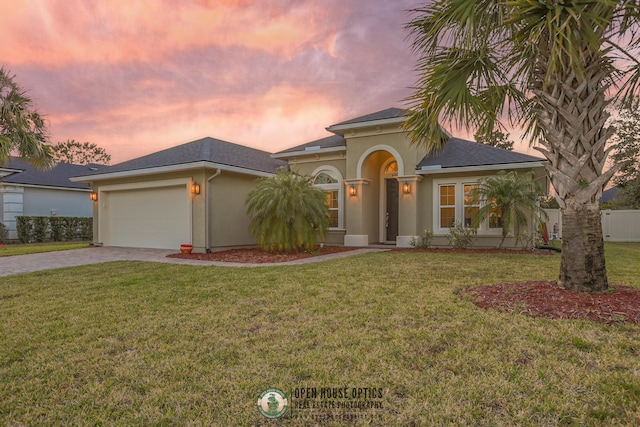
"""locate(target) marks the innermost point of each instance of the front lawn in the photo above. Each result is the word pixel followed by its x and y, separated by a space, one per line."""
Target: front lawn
pixel 132 343
pixel 11 249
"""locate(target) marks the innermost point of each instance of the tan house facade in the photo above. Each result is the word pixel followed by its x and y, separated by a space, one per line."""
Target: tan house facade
pixel 380 188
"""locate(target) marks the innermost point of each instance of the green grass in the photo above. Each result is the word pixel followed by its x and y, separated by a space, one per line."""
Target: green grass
pixel 34 248
pixel 132 343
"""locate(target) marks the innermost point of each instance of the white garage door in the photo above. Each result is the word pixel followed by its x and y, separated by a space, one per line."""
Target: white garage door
pixel 147 218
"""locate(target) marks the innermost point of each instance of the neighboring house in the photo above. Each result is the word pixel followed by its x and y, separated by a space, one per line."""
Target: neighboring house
pixel 609 195
pixel 380 188
pixel 27 191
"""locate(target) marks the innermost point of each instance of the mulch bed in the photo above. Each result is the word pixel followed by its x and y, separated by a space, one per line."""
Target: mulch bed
pixel 480 251
pixel 619 304
pixel 258 256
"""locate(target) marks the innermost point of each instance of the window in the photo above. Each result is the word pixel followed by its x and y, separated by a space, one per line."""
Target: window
pixel 332 203
pixel 324 178
pixel 495 218
pixel 330 184
pixel 471 204
pixel 392 168
pixel 447 205
pixel 453 201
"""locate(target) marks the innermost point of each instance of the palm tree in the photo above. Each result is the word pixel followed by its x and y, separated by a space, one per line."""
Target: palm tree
pixel 22 129
pixel 509 198
pixel 549 66
pixel 287 212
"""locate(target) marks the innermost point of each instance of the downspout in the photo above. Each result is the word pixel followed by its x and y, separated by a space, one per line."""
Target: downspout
pixel 206 210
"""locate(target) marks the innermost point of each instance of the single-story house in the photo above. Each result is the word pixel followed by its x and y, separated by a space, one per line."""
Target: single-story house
pixel 380 188
pixel 28 191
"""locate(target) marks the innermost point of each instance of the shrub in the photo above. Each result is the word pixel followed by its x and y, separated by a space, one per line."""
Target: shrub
pixel 86 228
pixel 24 228
pixel 461 237
pixel 56 224
pixel 40 228
pixel 287 212
pixel 70 228
pixel 422 242
pixel 55 228
pixel 3 233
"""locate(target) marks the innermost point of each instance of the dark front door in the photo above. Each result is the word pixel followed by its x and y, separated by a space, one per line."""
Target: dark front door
pixel 392 210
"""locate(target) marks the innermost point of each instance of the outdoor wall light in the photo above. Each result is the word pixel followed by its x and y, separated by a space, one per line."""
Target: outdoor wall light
pixel 406 187
pixel 353 190
pixel 195 188
pixel 93 196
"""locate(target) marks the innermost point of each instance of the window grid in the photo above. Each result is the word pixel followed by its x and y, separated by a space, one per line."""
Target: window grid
pixel 447 205
pixel 471 204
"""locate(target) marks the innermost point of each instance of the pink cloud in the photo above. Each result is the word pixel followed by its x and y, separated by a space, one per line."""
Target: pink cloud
pixel 59 33
pixel 144 75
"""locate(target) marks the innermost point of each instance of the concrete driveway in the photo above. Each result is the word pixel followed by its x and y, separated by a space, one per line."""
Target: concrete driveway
pixel 95 255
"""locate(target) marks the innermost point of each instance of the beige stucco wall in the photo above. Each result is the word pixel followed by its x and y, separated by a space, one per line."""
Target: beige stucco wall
pixel 426 206
pixel 229 223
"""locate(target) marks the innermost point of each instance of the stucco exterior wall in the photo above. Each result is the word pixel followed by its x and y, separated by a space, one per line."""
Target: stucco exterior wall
pixel 197 208
pixel 310 165
pixel 229 223
pixel 428 207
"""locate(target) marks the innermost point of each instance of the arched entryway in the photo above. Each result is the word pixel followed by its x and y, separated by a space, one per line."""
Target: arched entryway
pixel 374 210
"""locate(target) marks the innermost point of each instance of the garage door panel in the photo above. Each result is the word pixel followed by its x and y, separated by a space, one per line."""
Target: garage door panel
pixel 148 218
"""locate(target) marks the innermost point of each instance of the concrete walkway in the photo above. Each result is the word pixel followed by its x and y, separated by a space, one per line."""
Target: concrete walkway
pixel 48 260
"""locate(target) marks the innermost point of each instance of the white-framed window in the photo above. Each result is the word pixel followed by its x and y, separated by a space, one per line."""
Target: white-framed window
pixel 471 204
pixel 453 202
pixel 446 205
pixel 330 181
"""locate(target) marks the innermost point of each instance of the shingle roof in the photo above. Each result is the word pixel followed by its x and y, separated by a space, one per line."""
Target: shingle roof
pixel 609 195
pixel 460 153
pixel 328 142
pixel 205 149
pixel 56 177
pixel 389 113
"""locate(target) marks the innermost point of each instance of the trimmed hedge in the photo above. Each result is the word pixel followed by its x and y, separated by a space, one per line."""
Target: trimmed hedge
pixel 53 228
pixel 3 233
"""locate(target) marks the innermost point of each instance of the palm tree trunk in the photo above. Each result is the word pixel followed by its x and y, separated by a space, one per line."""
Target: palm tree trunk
pixel 582 267
pixel 573 117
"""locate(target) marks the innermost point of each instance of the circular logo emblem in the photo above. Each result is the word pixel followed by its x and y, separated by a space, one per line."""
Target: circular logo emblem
pixel 272 403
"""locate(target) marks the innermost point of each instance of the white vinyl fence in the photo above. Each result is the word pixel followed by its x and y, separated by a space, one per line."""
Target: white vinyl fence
pixel 617 225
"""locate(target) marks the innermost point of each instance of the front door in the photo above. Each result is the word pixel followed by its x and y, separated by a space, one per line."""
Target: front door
pixel 391 221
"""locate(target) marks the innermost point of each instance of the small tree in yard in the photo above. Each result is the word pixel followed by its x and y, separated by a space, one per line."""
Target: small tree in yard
pixel 514 197
pixel 287 212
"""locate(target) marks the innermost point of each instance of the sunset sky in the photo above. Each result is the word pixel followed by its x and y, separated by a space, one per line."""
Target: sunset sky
pixel 138 76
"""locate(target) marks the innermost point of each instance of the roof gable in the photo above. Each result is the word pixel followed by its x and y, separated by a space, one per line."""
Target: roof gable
pixel 389 113
pixel 461 153
pixel 58 176
pixel 332 141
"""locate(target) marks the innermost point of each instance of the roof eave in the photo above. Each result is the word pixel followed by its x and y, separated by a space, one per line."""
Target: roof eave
pixel 48 187
pixel 337 129
pixel 308 152
pixel 169 168
pixel 434 170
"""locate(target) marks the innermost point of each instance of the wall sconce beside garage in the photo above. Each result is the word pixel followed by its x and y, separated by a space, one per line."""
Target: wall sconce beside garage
pixel 195 188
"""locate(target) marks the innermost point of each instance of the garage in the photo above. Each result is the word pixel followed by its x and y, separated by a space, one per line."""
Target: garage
pixel 155 217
